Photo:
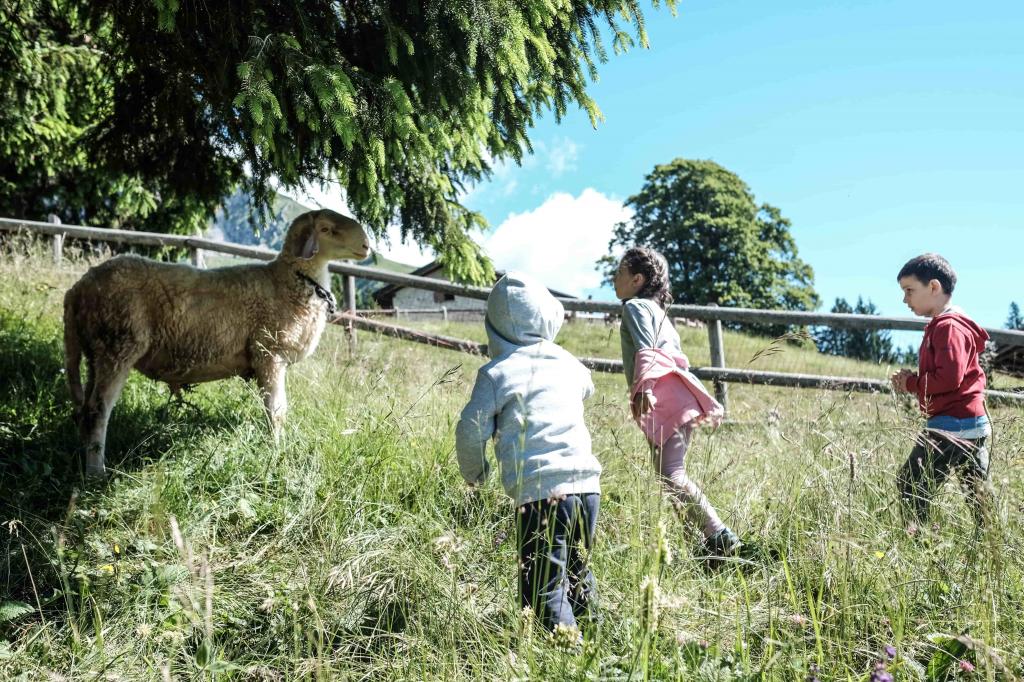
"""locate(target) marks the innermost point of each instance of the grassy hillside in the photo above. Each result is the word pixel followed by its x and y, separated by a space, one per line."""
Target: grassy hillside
pixel 351 549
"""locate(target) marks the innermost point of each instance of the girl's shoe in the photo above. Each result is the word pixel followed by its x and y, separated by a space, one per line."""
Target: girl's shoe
pixel 723 544
pixel 725 547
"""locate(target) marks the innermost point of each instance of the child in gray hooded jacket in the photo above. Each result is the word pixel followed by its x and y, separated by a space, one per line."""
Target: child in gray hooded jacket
pixel 529 399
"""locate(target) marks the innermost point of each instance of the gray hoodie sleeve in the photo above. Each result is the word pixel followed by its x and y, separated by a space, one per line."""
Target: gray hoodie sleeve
pixel 588 384
pixel 476 426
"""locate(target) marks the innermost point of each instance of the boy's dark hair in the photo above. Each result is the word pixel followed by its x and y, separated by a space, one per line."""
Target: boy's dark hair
pixel 929 266
pixel 641 260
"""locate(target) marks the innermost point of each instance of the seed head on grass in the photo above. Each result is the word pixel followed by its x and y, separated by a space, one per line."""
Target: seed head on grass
pixel 566 637
pixel 664 549
pixel 649 603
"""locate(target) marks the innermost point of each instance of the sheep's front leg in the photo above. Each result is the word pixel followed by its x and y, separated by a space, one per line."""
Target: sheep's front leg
pixel 270 379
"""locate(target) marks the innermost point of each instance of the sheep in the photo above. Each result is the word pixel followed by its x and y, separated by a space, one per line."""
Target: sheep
pixel 183 325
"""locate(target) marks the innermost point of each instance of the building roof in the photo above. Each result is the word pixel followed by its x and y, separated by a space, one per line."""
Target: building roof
pixel 1009 360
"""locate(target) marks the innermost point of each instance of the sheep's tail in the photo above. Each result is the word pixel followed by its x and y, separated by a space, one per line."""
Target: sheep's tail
pixel 72 350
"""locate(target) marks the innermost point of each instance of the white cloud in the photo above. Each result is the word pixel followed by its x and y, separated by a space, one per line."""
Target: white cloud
pixel 562 155
pixel 557 157
pixel 409 253
pixel 559 241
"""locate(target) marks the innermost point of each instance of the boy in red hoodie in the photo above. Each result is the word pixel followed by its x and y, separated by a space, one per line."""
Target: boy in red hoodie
pixel 950 388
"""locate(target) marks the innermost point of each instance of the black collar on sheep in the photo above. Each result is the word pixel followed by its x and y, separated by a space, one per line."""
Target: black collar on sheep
pixel 322 293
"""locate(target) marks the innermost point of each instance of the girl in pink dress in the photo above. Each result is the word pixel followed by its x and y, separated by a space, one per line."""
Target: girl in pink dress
pixel 666 399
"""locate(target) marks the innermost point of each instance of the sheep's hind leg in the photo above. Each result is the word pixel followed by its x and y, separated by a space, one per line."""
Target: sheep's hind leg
pixel 106 381
pixel 270 379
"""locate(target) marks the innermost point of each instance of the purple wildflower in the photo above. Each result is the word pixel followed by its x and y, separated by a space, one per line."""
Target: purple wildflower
pixel 890 652
pixel 967 666
pixel 880 673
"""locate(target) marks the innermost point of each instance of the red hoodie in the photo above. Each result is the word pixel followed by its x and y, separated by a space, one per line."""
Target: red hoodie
pixel 949 379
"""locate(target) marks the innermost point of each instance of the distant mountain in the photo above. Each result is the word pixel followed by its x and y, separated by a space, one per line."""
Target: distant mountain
pixel 237 222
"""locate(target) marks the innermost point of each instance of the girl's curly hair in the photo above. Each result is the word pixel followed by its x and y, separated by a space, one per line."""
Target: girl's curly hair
pixel 641 260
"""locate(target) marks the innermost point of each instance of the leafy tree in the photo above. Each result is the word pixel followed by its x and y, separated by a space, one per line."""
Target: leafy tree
pixel 1015 321
pixel 402 103
pixel 720 245
pixel 53 90
pixel 907 356
pixel 862 344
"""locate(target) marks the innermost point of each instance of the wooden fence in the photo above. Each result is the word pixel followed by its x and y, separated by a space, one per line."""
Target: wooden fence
pixel 718 372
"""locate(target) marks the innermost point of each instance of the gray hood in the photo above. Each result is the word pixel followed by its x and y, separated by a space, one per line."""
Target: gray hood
pixel 520 312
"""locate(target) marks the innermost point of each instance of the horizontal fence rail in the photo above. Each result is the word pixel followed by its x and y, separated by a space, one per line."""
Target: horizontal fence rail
pixel 714 374
pixel 697 312
pixel 715 315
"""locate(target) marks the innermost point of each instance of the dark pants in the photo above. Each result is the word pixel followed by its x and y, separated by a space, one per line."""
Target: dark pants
pixel 931 462
pixel 555 539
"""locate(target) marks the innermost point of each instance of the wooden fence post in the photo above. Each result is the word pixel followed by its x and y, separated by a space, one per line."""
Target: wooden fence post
pixel 196 255
pixel 350 307
pixel 58 241
pixel 718 358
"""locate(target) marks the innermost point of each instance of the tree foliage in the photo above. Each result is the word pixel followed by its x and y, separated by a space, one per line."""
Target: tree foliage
pixel 402 103
pixel 720 245
pixel 1014 319
pixel 874 345
pixel 54 88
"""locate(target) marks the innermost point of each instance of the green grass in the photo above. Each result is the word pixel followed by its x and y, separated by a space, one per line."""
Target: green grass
pixel 352 550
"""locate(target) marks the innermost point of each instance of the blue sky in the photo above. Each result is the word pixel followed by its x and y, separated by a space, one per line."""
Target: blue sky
pixel 880 129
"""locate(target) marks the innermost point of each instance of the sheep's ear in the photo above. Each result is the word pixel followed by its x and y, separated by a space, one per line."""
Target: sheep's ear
pixel 312 245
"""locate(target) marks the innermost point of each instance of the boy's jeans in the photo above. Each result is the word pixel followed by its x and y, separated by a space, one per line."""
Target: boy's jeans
pixel 555 539
pixel 933 459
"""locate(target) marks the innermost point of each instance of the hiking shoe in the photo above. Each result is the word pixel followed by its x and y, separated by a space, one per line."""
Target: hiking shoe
pixel 721 548
pixel 723 544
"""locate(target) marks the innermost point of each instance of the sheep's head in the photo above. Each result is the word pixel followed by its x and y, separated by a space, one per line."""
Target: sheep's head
pixel 326 234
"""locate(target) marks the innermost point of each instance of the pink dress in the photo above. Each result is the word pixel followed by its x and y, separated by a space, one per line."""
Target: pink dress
pixel 677 398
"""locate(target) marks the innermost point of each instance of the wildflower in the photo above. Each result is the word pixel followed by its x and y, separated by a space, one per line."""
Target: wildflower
pixel 967 666
pixel 890 652
pixel 500 538
pixel 144 630
pixel 798 619
pixel 880 673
